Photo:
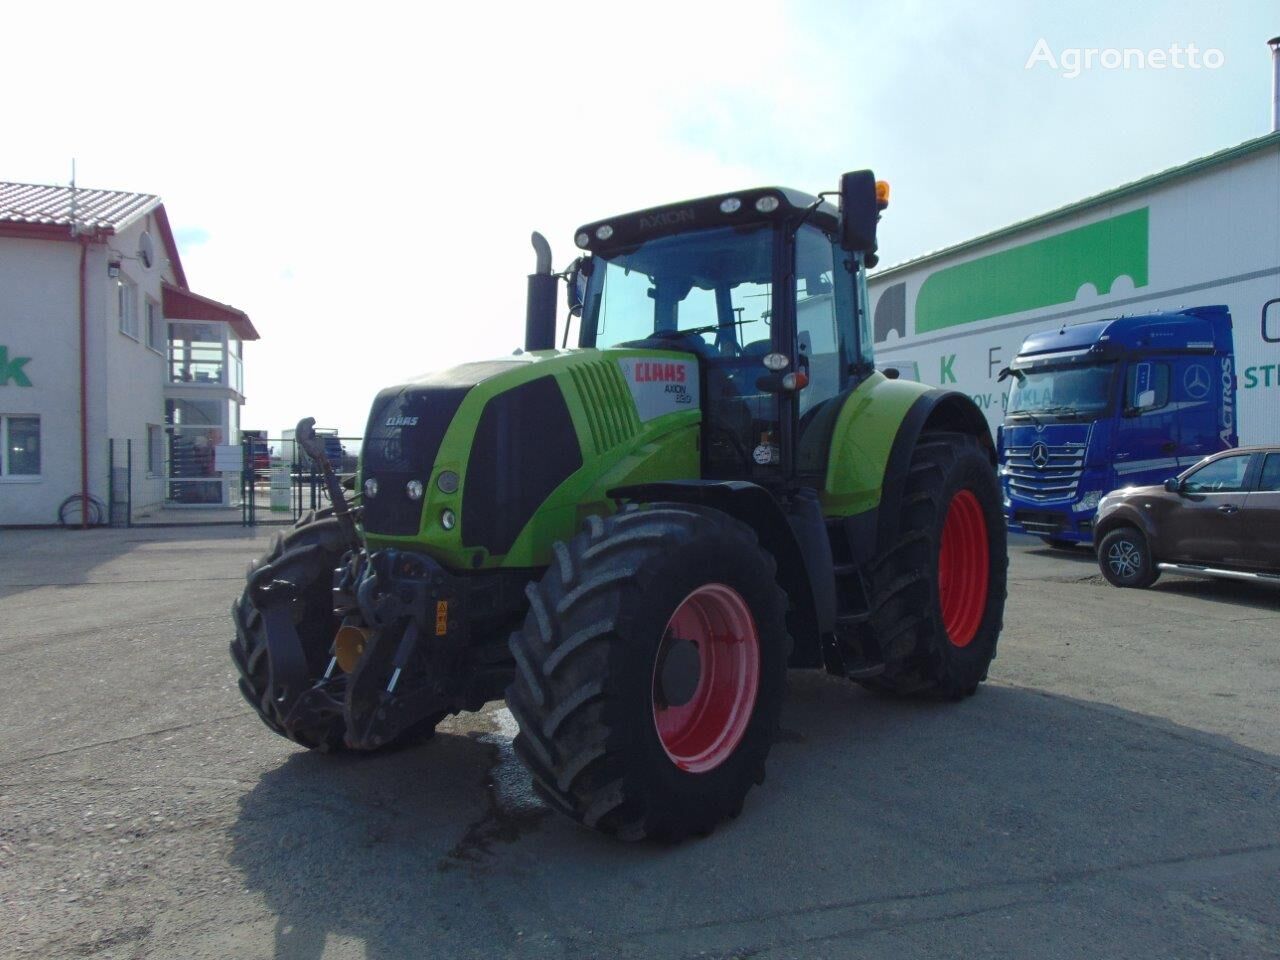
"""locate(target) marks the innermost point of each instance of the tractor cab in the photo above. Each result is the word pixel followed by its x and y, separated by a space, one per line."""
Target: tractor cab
pixel 764 291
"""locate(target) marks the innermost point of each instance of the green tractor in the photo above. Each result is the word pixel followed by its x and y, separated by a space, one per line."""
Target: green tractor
pixel 631 541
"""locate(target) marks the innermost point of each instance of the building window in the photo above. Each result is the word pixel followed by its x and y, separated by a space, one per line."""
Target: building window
pixel 155 450
pixel 155 327
pixel 20 456
pixel 127 307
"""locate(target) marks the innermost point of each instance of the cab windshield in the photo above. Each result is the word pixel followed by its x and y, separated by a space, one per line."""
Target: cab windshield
pixel 1080 392
pixel 711 286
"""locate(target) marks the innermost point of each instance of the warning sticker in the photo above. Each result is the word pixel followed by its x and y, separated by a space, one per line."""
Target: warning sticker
pixel 660 387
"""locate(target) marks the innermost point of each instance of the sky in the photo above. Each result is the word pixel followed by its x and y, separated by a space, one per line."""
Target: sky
pixel 362 179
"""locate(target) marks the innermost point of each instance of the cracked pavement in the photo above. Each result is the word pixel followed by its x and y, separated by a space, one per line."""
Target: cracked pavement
pixel 1113 791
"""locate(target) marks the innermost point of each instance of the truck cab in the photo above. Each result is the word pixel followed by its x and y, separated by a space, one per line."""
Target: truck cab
pixel 1098 406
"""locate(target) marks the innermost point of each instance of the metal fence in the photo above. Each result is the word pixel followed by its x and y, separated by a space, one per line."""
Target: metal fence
pixel 264 480
pixel 279 482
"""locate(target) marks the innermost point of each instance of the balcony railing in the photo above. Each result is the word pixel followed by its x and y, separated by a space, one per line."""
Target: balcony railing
pixel 204 363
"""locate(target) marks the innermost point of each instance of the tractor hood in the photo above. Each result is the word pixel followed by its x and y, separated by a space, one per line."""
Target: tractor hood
pixel 486 444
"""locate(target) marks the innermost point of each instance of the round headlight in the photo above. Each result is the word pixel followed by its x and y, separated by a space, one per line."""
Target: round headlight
pixel 732 205
pixel 448 519
pixel 776 361
pixel 767 204
pixel 414 489
pixel 447 481
pixel 582 240
pixel 371 487
pixel 604 232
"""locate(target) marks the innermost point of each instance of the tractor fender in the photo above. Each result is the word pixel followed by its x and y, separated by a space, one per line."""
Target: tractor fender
pixel 796 538
pixel 935 409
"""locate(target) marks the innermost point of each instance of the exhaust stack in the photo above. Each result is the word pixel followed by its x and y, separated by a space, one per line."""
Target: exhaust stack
pixel 1274 43
pixel 540 307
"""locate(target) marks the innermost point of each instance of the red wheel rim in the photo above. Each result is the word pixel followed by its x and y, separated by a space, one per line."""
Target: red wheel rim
pixel 963 568
pixel 702 732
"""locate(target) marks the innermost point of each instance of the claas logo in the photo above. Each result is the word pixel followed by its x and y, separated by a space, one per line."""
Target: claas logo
pixel 649 371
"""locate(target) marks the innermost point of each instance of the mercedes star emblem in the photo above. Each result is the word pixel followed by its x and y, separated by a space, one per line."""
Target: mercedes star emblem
pixel 1196 382
pixel 1040 455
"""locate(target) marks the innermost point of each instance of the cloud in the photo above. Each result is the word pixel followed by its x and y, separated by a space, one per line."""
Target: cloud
pixel 363 180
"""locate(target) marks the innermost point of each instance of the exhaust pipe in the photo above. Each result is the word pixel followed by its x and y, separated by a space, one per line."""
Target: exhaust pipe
pixel 540 308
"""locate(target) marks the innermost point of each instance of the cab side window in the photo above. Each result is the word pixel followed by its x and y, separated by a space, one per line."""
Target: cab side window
pixel 1270 481
pixel 1222 476
pixel 1146 387
pixel 817 319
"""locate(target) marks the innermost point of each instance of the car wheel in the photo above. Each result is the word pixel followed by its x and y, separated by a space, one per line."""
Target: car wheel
pixel 1125 559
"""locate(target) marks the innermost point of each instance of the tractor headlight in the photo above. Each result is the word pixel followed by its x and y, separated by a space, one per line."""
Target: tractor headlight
pixel 414 489
pixel 448 519
pixel 731 205
pixel 447 481
pixel 371 487
pixel 767 204
pixel 604 232
pixel 582 239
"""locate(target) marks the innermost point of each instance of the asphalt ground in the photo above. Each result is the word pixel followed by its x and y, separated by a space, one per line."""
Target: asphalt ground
pixel 1113 791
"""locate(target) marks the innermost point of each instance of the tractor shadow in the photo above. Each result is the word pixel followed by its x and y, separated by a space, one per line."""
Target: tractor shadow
pixel 873 806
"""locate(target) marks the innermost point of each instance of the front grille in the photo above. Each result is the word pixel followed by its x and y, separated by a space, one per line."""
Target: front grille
pixel 1057 479
pixel 406 427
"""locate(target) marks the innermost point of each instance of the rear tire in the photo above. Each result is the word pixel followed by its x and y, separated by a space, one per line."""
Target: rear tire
pixel 938 591
pixel 626 726
pixel 1124 557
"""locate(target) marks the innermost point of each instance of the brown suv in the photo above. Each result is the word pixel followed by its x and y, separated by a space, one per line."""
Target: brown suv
pixel 1221 518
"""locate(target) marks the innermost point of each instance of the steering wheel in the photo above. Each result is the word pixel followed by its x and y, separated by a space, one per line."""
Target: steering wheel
pixel 694 335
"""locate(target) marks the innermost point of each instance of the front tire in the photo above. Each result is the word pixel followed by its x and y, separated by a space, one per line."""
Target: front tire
pixel 305 557
pixel 938 591
pixel 650 672
pixel 1124 557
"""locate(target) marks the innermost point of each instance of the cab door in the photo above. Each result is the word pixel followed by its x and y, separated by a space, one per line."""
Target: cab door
pixel 1207 525
pixel 1146 437
pixel 1262 516
pixel 1197 392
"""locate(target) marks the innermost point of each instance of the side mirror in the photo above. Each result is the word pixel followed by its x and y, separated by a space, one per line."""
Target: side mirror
pixel 861 200
pixel 1173 485
pixel 1007 372
pixel 1271 315
pixel 576 285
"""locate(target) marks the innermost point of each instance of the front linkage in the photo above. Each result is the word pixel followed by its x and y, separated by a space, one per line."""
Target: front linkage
pixel 400 642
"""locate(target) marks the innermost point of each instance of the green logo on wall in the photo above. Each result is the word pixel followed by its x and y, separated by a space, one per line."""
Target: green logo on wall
pixel 12 369
pixel 1038 274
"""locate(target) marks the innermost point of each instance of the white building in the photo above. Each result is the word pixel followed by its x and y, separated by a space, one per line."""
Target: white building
pixel 102 340
pixel 1206 232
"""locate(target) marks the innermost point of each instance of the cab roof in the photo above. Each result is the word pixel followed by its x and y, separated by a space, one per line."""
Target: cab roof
pixel 1192 330
pixel 629 229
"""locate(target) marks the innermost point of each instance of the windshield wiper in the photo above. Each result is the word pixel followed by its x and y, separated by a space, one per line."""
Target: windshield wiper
pixel 1062 410
pixel 1029 415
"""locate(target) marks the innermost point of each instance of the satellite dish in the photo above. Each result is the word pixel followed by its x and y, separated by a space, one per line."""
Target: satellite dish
pixel 146 250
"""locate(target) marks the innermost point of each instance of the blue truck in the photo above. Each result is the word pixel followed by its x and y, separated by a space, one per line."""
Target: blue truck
pixel 1094 407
